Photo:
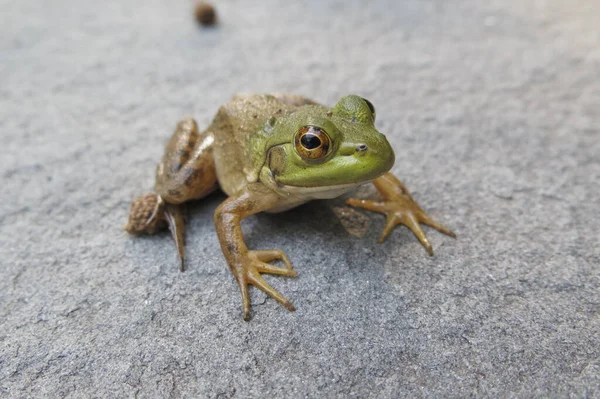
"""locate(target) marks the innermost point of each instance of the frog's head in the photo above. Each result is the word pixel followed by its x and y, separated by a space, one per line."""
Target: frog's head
pixel 316 146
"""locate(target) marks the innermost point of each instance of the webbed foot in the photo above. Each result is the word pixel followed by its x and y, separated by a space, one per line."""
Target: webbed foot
pixel 400 208
pixel 247 270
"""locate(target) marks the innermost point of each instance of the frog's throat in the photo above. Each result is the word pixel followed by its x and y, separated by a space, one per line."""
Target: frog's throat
pixel 307 193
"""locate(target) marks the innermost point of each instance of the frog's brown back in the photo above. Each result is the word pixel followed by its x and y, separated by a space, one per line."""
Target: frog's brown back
pixel 235 121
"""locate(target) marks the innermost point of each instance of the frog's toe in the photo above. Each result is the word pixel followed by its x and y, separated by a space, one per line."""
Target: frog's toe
pixel 370 205
pixel 243 283
pixel 390 223
pixel 268 255
pixel 174 216
pixel 426 219
pixel 411 221
pixel 256 280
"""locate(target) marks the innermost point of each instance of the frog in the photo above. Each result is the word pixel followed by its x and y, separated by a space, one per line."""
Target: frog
pixel 271 153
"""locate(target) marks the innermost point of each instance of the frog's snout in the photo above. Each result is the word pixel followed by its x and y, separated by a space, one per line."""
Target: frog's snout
pixel 362 148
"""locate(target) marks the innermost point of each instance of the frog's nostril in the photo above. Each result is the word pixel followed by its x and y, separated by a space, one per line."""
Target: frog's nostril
pixel 362 148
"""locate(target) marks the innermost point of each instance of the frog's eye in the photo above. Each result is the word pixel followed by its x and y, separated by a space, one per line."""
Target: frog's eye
pixel 312 142
pixel 371 108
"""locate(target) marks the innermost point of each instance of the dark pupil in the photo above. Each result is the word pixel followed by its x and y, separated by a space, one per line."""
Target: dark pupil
pixel 310 141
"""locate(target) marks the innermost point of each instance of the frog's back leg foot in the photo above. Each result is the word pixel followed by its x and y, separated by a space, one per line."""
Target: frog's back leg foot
pixel 149 214
pixel 186 172
pixel 146 215
pixel 174 215
pixel 400 208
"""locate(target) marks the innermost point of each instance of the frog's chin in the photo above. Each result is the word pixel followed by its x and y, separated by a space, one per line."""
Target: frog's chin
pixel 302 193
pixel 322 192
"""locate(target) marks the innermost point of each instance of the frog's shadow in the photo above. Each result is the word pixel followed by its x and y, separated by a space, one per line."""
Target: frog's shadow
pixel 313 223
pixel 315 217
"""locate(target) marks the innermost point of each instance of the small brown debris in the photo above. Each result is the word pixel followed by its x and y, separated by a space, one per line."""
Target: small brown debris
pixel 205 14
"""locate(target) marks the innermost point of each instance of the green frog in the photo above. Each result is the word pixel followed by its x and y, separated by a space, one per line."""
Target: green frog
pixel 270 153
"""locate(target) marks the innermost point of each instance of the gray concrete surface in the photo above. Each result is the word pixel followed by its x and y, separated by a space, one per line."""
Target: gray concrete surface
pixel 493 108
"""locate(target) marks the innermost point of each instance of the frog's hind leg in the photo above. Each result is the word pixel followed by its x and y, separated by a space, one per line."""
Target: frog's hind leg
pixel 187 169
pixel 149 214
pixel 174 217
pixel 186 172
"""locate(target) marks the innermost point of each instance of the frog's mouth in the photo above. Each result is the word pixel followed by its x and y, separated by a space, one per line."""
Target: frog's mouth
pixel 307 193
pixel 322 192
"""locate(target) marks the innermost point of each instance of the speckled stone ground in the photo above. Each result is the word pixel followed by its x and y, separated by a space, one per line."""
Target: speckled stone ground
pixel 493 109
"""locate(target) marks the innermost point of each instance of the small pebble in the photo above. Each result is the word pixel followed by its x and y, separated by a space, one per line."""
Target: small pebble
pixel 205 14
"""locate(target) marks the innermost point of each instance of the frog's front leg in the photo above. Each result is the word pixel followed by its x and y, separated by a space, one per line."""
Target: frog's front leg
pixel 247 265
pixel 400 208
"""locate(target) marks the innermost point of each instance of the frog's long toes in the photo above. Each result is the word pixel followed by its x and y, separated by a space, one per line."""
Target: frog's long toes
pixel 427 220
pixel 429 249
pixel 247 316
pixel 412 223
pixel 248 271
pixel 390 223
pixel 370 205
pixel 267 255
pixel 272 269
pixel 174 216
pixel 253 277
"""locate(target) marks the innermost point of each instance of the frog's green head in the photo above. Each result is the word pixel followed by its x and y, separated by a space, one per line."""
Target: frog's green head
pixel 316 146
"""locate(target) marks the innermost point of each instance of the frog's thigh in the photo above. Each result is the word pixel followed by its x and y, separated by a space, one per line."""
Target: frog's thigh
pixel 187 169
